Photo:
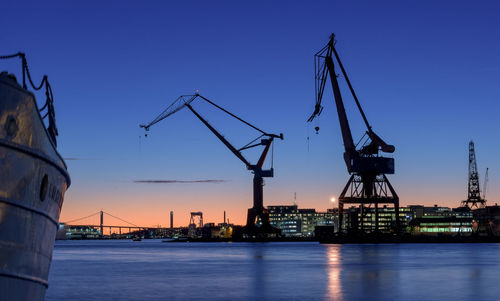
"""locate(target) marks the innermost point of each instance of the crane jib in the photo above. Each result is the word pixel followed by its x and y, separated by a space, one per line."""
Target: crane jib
pixel 356 160
pixel 186 100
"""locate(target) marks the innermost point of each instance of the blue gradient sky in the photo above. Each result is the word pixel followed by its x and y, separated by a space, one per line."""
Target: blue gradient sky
pixel 426 73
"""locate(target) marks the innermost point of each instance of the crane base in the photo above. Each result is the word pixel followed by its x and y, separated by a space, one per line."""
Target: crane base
pixel 367 190
pixel 262 229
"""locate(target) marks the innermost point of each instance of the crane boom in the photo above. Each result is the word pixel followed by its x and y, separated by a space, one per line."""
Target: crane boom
pixel 221 138
pixel 349 146
pixel 186 100
pixel 176 106
pixel 356 160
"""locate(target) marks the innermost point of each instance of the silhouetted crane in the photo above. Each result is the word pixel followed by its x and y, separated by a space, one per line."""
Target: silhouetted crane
pixel 258 217
pixel 473 188
pixel 368 183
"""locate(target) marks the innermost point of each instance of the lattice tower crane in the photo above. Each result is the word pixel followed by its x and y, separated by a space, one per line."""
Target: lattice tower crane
pixel 473 188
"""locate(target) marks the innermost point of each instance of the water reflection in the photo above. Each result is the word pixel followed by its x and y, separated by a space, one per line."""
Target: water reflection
pixel 334 288
pixel 357 271
pixel 259 277
pixel 119 270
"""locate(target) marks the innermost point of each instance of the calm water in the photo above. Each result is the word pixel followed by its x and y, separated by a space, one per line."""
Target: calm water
pixel 152 270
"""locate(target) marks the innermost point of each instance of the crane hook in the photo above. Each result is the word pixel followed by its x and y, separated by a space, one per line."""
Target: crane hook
pixel 317 130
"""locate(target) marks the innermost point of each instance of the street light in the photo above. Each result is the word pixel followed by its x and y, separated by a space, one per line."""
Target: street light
pixel 332 199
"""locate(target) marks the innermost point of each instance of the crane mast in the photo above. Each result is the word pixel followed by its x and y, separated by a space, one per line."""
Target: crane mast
pixel 368 184
pixel 257 212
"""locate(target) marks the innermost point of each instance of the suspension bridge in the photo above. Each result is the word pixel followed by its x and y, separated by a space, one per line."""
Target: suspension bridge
pixel 118 227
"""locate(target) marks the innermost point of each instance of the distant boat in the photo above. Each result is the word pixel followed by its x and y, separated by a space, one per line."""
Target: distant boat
pixel 136 238
pixel 33 180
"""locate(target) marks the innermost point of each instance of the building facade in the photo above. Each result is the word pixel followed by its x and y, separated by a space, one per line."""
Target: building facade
pixel 295 222
pixel 414 219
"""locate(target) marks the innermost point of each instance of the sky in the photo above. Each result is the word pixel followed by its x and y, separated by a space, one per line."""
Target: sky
pixel 426 74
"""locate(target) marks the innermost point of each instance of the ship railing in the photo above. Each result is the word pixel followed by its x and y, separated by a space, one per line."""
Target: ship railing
pixel 47 110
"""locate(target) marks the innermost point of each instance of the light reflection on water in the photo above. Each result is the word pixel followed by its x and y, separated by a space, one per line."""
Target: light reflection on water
pixel 334 290
pixel 151 270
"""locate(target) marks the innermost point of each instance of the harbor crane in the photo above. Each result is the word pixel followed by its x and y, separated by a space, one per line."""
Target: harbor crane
pixel 194 216
pixel 474 198
pixel 258 217
pixel 368 183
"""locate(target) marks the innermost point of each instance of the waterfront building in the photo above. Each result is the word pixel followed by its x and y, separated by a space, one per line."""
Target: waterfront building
pixel 295 222
pixel 440 220
pixel 77 232
pixel 414 219
pixel 310 219
pixel 441 225
pixel 285 218
pixel 386 218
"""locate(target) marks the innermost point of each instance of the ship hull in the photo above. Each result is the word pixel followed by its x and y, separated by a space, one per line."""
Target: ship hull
pixel 33 180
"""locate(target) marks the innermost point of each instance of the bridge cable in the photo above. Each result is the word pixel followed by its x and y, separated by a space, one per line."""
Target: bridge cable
pixel 122 220
pixel 74 220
